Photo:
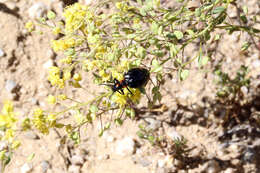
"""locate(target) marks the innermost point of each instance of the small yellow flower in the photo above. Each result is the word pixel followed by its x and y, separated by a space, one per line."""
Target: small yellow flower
pixel 77 77
pixel 30 26
pixel 75 16
pixel 38 111
pixel 56 30
pixel 62 97
pixel 51 99
pixel 7 118
pixel 75 84
pixel 54 77
pixel 117 75
pixel 16 144
pixel 67 60
pixel 67 75
pixel 9 135
pixel 105 76
pixel 63 44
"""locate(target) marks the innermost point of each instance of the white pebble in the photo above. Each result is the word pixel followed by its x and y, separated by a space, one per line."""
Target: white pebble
pixel 125 146
pixel 77 160
pixel 1 53
pixel 74 169
pixel 37 10
pixel 48 64
pixel 10 85
pixel 26 168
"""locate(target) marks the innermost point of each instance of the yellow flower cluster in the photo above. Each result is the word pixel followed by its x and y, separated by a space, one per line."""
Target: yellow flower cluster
pixel 8 121
pixel 63 44
pixel 39 121
pixel 122 6
pixel 75 17
pixel 7 118
pixel 51 99
pixel 56 79
pixel 121 100
pixel 30 26
pixel 43 122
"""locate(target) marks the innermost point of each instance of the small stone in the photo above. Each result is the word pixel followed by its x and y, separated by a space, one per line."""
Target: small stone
pixel 12 6
pixel 108 137
pixel 37 10
pixel 3 145
pixel 161 170
pixel 31 135
pixel 10 86
pixel 34 101
pixel 161 163
pixel 211 166
pixel 230 170
pixel 125 146
pixel 88 2
pixel 74 169
pixel 104 157
pixel 2 53
pixel 153 124
pixel 48 64
pixel 256 63
pixel 234 147
pixel 236 162
pixel 77 160
pixel 166 162
pixel 144 161
pixel 244 90
pixel 50 54
pixel 26 168
pixel 45 165
pixel 249 155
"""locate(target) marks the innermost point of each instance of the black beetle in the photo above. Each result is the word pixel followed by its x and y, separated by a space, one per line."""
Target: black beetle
pixel 134 78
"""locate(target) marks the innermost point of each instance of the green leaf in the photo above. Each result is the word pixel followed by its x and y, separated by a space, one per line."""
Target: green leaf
pixel 178 34
pixel 155 27
pixel 173 50
pixel 204 60
pixel 217 37
pixel 245 9
pixel 131 36
pixel 218 10
pixel 243 18
pixel 93 108
pixel 245 46
pixel 140 2
pixel 30 157
pixel 119 121
pixel 160 30
pixel 51 15
pixel 156 67
pixel 190 32
pixel 141 52
pixel 184 74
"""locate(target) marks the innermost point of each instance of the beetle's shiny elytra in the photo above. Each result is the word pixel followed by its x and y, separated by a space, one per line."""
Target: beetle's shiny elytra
pixel 134 78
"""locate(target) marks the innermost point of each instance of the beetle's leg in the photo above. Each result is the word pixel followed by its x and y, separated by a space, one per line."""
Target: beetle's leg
pixel 116 81
pixel 129 90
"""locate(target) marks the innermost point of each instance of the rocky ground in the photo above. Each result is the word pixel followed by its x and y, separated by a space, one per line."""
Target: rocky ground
pixel 189 109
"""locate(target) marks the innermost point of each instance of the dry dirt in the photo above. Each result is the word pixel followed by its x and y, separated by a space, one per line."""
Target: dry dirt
pixel 191 110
